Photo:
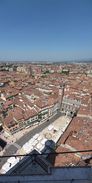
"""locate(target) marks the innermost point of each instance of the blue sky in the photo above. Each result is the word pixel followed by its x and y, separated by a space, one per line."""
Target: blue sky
pixel 45 29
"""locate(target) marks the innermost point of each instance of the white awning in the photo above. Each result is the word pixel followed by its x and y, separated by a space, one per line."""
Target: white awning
pixel 31 141
pixel 43 141
pixel 35 136
pixel 39 138
pixel 39 146
pixel 35 142
pixel 13 160
pixel 50 127
pixel 27 147
pixel 6 167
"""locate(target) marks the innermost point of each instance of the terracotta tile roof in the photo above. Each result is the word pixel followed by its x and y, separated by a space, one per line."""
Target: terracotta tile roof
pixel 17 113
pixel 7 104
pixel 41 103
pixel 65 159
pixel 22 101
pixel 78 134
pixel 29 113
